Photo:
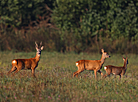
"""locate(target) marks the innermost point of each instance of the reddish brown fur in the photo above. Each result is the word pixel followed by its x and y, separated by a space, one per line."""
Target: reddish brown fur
pixel 32 63
pixel 116 70
pixel 95 65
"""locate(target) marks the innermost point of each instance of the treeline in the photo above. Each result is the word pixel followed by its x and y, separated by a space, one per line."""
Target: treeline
pixel 69 25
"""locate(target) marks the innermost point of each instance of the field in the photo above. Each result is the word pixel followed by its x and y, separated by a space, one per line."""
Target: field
pixel 54 82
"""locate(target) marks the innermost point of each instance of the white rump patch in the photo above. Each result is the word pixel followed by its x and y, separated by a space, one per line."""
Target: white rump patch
pixel 77 64
pixel 14 61
pixel 105 68
pixel 114 73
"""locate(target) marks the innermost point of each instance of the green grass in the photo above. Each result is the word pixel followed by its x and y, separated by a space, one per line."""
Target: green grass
pixel 55 83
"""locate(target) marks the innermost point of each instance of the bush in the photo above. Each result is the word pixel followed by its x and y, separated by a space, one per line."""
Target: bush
pixel 80 25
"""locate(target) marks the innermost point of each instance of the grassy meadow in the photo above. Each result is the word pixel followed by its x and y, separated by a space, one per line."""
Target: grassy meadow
pixel 54 82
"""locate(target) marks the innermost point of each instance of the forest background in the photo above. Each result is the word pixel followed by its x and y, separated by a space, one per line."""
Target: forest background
pixel 69 25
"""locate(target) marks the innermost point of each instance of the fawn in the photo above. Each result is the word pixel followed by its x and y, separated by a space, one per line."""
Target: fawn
pixel 95 65
pixel 116 70
pixel 32 63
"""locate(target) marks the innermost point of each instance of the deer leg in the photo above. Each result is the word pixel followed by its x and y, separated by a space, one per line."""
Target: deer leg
pixel 121 76
pixel 105 76
pixel 74 73
pixel 77 73
pixel 15 72
pixel 100 73
pixel 33 72
pixel 12 70
pixel 95 73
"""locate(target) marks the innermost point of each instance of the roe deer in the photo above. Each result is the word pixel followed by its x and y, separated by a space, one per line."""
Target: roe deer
pixel 95 65
pixel 116 70
pixel 32 63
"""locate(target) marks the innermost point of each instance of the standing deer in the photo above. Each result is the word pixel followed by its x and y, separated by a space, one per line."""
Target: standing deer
pixel 116 70
pixel 31 63
pixel 95 65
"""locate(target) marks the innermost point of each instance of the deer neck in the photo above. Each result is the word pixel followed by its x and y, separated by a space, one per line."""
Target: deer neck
pixel 102 60
pixel 125 65
pixel 37 57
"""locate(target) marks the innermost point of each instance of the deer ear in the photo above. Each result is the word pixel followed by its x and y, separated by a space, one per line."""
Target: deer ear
pixel 41 43
pixel 36 44
pixel 123 58
pixel 36 48
pixel 42 47
pixel 126 57
pixel 102 50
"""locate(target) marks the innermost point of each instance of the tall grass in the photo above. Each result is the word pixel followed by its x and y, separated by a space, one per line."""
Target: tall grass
pixel 54 82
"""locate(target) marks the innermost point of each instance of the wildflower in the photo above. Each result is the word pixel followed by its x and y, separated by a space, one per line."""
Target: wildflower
pixel 103 96
pixel 49 97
